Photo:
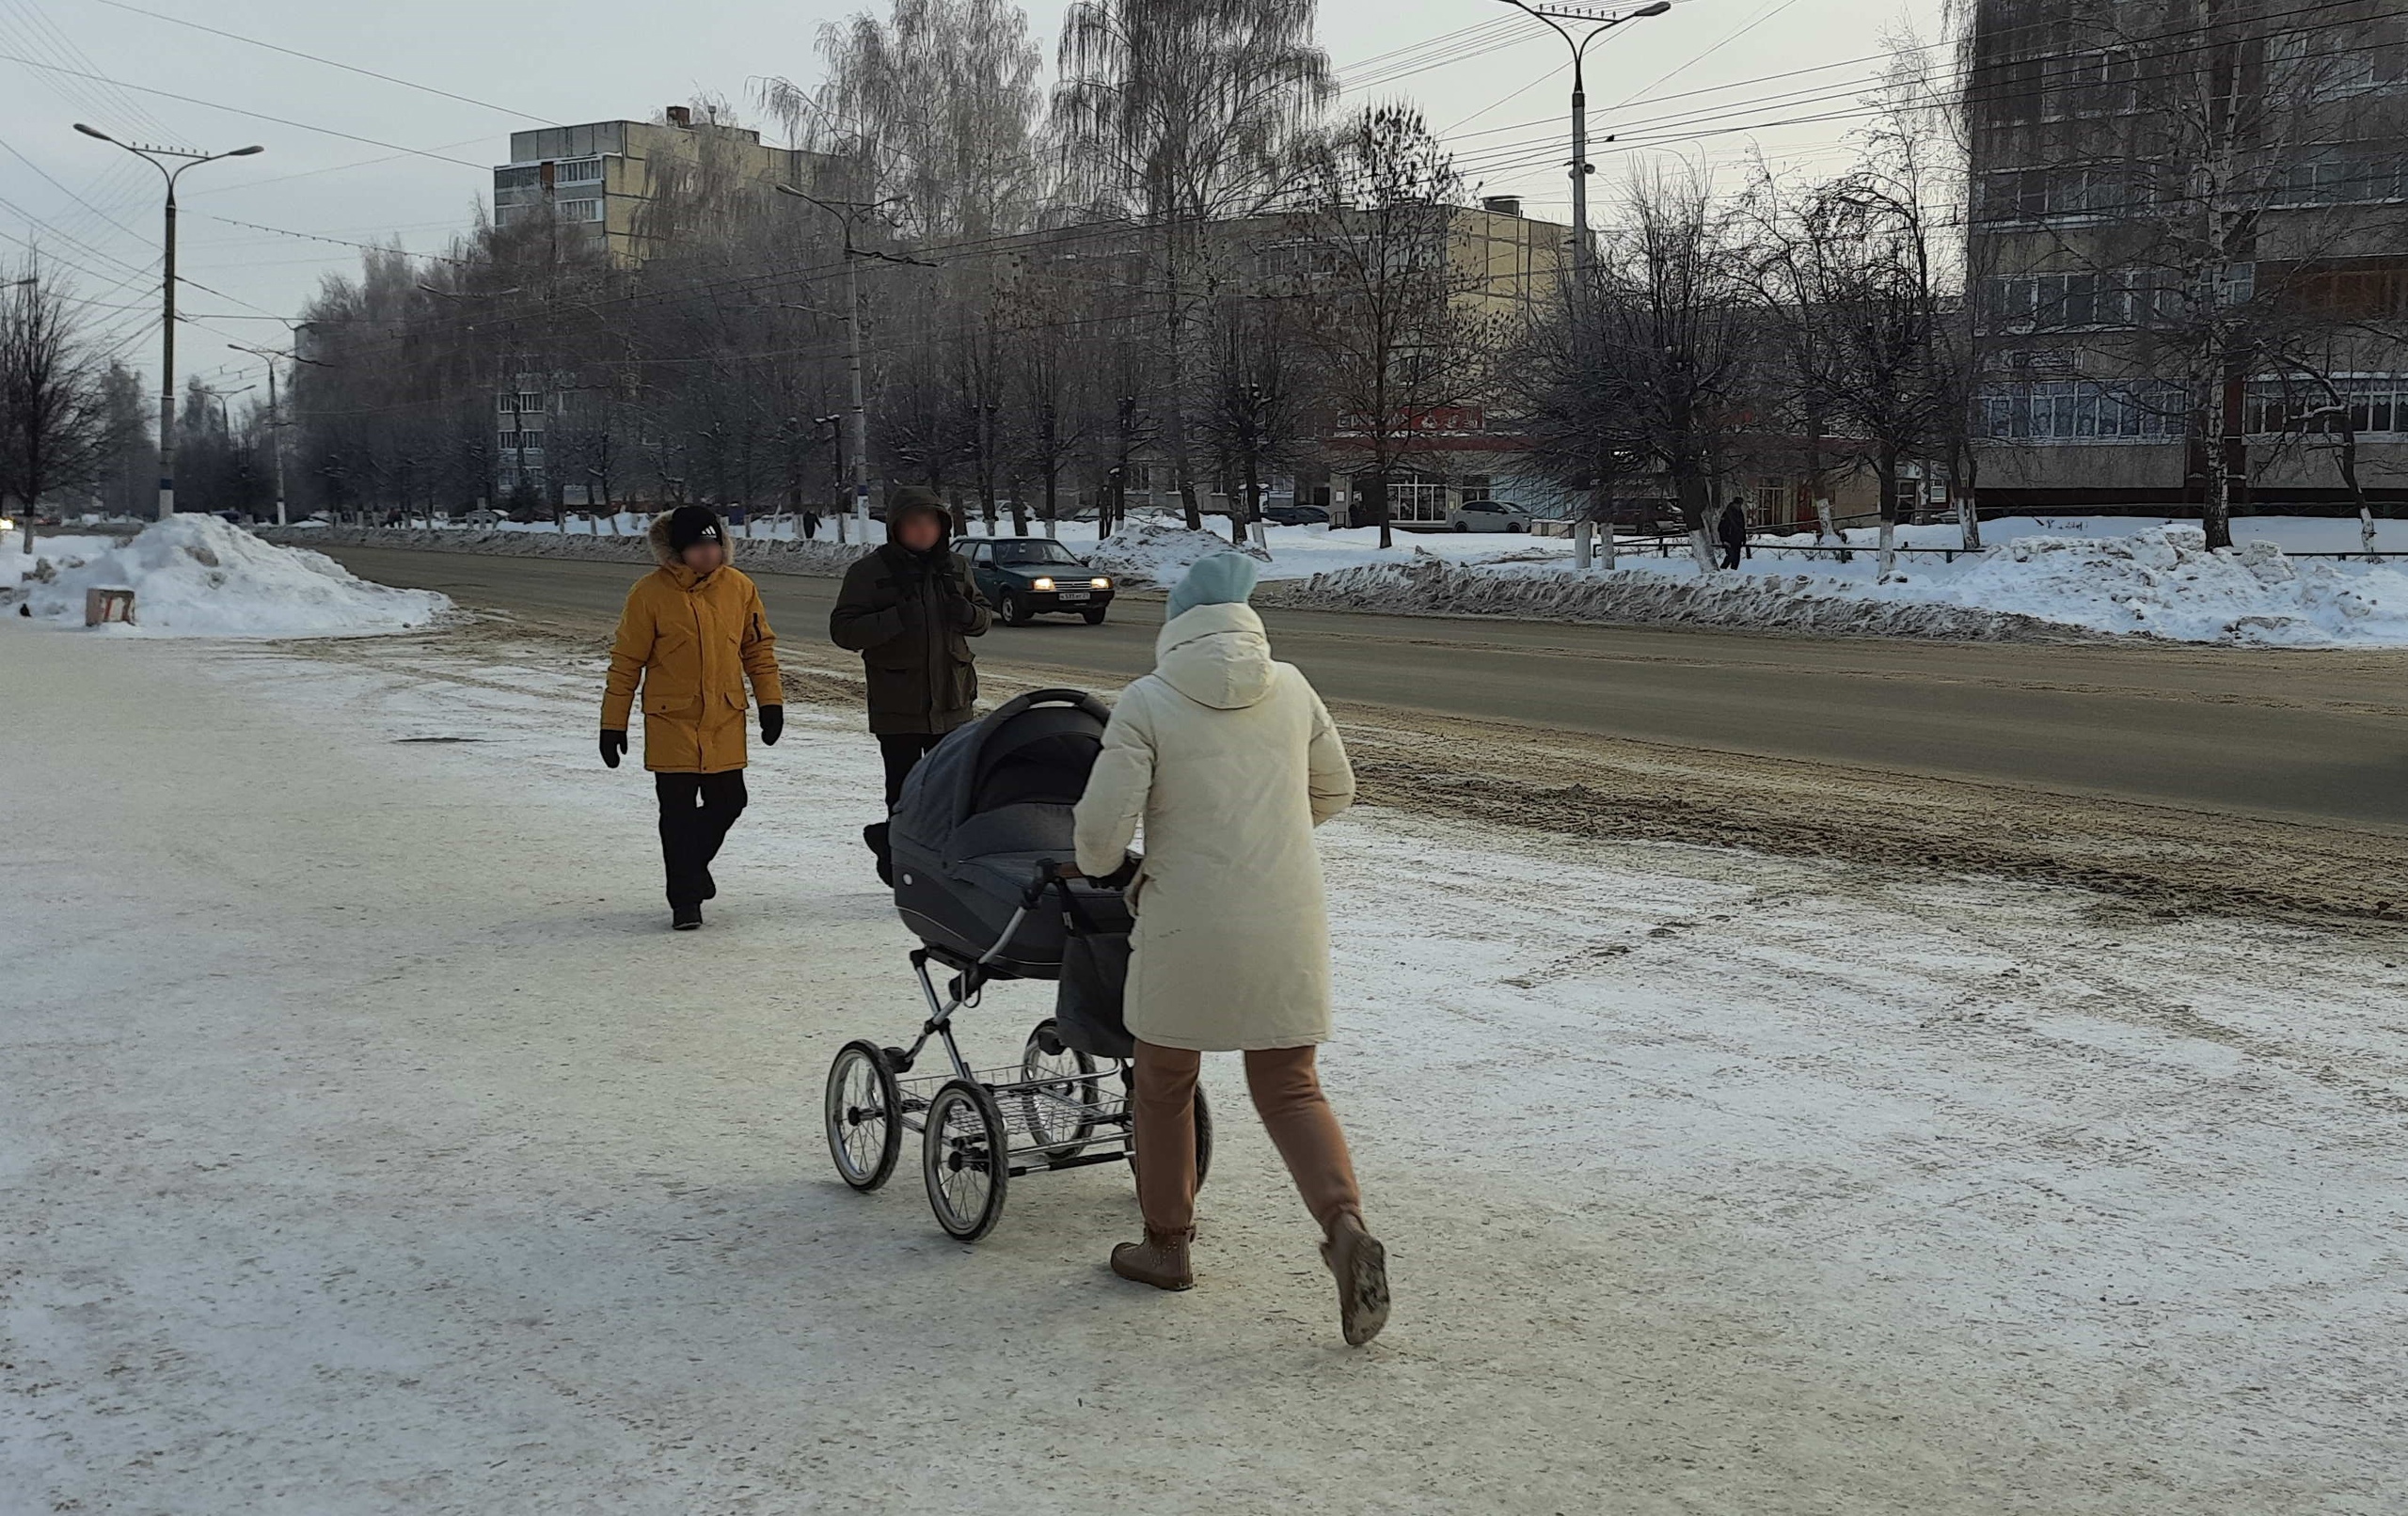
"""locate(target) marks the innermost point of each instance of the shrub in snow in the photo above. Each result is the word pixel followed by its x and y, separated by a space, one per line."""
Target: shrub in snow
pixel 1160 551
pixel 194 576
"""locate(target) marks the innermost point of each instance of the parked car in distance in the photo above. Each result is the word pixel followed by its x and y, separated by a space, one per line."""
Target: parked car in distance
pixel 1491 515
pixel 1297 515
pixel 1028 576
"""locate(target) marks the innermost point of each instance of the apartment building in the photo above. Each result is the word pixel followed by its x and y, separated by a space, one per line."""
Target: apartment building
pixel 617 183
pixel 2189 251
pixel 603 180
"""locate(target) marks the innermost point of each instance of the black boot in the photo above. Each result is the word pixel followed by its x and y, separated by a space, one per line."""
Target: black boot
pixel 687 916
pixel 874 837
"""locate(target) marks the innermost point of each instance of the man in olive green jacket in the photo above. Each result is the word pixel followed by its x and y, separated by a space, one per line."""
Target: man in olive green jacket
pixel 910 610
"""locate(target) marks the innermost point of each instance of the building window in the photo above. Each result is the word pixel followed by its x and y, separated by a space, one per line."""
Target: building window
pixel 2378 406
pixel 580 210
pixel 577 171
pixel 2089 300
pixel 1414 500
pixel 2344 177
pixel 2084 410
pixel 2084 85
pixel 2058 191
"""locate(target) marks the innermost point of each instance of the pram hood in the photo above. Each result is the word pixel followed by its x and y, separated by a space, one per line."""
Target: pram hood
pixel 1005 783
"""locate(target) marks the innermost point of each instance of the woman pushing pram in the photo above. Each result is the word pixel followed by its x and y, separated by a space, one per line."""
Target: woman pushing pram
pixel 1229 761
pixel 1216 941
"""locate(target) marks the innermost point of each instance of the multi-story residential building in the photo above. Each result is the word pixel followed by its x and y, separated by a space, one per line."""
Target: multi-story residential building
pixel 612 182
pixel 2189 251
pixel 606 178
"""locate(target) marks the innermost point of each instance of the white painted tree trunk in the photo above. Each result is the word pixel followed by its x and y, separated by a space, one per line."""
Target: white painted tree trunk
pixel 1606 545
pixel 1584 543
pixel 1825 526
pixel 1889 548
pixel 1701 548
pixel 2366 531
pixel 1969 520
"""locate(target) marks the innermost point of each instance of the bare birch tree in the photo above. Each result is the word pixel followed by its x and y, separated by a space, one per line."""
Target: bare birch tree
pixel 1185 114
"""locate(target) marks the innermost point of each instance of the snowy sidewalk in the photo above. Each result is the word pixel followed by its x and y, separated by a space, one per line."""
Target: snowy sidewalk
pixel 367 1143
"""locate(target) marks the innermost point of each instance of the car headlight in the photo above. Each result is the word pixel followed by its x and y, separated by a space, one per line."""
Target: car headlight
pixel 1099 582
pixel 1041 585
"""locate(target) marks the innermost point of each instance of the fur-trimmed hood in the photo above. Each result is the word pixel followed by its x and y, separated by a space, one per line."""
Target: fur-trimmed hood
pixel 658 537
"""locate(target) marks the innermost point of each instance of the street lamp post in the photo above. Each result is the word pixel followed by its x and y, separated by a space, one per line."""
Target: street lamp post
pixel 167 285
pixel 275 415
pixel 849 214
pixel 1598 19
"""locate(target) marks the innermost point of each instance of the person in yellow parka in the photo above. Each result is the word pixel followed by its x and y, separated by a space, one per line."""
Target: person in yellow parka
pixel 693 633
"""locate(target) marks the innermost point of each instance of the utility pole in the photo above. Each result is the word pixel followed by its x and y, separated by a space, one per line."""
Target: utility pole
pixel 1598 19
pixel 848 214
pixel 167 286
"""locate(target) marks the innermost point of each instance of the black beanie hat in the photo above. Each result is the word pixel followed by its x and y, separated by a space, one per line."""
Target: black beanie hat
pixel 692 524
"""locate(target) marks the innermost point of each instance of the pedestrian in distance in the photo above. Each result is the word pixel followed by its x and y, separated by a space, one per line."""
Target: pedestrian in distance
pixel 1733 530
pixel 1229 761
pixel 910 610
pixel 693 633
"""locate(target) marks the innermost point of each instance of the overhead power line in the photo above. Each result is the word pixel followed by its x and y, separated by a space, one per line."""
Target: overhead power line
pixel 237 110
pixel 331 63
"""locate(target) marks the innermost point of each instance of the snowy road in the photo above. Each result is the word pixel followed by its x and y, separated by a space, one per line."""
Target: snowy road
pixel 367 1144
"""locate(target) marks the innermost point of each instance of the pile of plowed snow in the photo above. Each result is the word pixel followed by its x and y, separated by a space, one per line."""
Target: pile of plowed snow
pixel 1158 552
pixel 195 576
pixel 2163 583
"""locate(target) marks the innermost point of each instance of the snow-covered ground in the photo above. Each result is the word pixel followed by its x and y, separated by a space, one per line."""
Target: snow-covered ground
pixel 195 576
pixel 370 1145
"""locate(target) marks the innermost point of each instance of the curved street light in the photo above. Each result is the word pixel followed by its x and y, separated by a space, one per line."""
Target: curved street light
pixel 159 158
pixel 1599 20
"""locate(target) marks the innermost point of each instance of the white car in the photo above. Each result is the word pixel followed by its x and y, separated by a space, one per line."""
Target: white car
pixel 1491 515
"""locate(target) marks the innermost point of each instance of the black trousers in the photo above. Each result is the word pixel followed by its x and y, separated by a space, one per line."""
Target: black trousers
pixel 903 751
pixel 1731 552
pixel 696 810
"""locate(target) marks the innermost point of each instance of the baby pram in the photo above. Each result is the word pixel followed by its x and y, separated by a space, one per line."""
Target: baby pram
pixel 981 842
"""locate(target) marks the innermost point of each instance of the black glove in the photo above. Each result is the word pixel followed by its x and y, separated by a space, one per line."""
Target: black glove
pixel 773 721
pixel 1119 878
pixel 613 743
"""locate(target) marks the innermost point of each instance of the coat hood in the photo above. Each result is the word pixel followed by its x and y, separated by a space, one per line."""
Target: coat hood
pixel 897 511
pixel 658 537
pixel 1217 655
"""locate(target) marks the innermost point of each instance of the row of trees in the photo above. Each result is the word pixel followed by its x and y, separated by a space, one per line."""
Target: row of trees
pixel 1175 262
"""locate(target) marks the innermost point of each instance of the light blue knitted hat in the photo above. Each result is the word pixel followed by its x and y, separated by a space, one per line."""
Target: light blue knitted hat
pixel 1222 579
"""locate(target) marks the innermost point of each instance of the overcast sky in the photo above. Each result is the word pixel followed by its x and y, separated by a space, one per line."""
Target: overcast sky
pixel 1493 81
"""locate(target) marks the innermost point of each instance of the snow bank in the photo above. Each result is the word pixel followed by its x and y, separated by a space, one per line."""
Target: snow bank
pixel 2159 582
pixel 1159 552
pixel 1430 585
pixel 194 576
pixel 2164 583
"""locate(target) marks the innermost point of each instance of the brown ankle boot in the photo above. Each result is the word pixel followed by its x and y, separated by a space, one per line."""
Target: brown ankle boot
pixel 1160 1260
pixel 1361 1265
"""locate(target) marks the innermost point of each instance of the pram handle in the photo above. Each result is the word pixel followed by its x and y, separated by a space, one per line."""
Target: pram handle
pixel 1047 872
pixel 1018 704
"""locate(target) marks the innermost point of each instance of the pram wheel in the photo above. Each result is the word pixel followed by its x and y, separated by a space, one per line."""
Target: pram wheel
pixel 1058 1096
pixel 864 1112
pixel 965 1160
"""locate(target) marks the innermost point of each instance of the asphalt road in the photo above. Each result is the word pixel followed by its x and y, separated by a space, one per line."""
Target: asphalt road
pixel 2314 736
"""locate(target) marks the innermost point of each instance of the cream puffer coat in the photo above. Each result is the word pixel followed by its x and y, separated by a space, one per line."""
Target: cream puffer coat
pixel 1231 761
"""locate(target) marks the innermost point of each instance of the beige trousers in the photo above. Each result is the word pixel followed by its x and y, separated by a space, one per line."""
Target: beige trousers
pixel 1287 1094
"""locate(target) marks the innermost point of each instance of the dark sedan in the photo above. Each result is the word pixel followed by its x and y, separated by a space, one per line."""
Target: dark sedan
pixel 1026 577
